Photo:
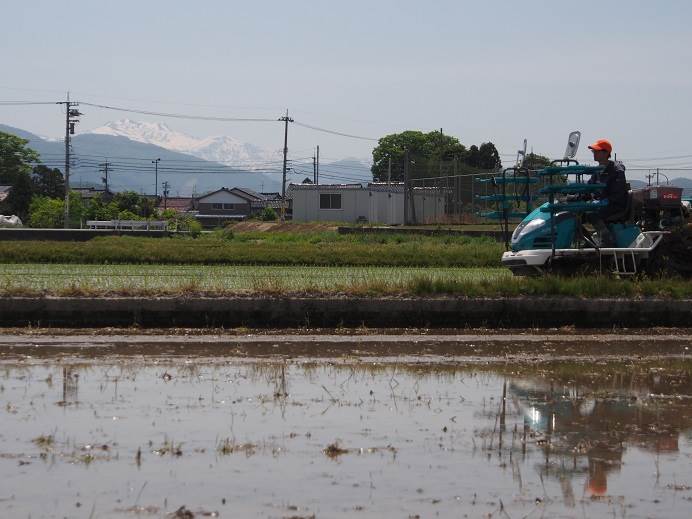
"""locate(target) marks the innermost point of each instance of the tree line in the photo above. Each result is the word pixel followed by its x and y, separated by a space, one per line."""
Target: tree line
pixel 426 151
pixel 436 154
pixel 37 194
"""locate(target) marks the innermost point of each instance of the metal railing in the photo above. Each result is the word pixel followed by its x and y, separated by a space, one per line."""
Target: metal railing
pixel 131 225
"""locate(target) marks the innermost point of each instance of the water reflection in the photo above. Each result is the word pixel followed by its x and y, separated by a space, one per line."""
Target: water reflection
pixel 70 386
pixel 410 431
pixel 585 428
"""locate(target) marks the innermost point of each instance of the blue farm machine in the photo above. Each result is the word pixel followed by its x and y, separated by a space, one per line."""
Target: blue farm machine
pixel 652 235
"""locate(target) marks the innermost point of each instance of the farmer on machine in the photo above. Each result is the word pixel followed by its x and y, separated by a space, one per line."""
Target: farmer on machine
pixel 614 194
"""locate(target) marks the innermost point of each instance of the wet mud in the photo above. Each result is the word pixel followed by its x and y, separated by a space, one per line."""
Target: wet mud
pixel 471 345
pixel 115 427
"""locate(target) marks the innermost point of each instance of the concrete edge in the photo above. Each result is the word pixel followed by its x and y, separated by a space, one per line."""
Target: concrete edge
pixel 330 312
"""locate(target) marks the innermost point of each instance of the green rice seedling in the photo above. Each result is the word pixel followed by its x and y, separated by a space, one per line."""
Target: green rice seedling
pixel 228 446
pixel 33 280
pixel 45 441
pixel 169 448
pixel 290 249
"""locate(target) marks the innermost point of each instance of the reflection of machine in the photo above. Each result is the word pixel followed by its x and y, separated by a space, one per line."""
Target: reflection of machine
pixel 589 433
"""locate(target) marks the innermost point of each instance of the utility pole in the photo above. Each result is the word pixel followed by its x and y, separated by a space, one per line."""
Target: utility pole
pixel 389 171
pixel 104 169
pixel 72 114
pixel 314 169
pixel 318 164
pixel 406 193
pixel 166 190
pixel 156 177
pixel 286 119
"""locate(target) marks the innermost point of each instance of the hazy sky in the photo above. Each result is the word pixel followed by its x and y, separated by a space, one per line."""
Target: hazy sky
pixel 498 71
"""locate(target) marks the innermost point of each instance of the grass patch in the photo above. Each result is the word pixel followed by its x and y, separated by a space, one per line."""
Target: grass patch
pixel 256 248
pixel 83 280
pixel 595 286
pixel 225 281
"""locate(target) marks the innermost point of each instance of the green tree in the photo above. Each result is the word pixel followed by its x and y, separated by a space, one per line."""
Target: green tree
pixel 147 207
pixel 48 182
pixel 15 168
pixel 103 211
pixel 78 210
pixel 484 157
pixel 168 214
pixel 15 157
pixel 432 145
pixel 19 198
pixel 49 212
pixel 136 204
pixel 489 157
pixel 268 214
pixel 127 201
pixel 128 215
pixel 535 161
pixel 473 157
pixel 46 212
pixel 431 154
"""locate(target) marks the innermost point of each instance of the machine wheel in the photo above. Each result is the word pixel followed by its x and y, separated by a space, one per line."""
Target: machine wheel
pixel 577 267
pixel 673 256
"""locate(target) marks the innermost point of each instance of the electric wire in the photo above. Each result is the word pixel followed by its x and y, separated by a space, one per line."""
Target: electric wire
pixel 334 132
pixel 178 116
pixel 24 103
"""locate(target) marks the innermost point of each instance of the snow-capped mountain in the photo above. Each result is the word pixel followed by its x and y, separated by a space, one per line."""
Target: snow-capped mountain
pixel 222 149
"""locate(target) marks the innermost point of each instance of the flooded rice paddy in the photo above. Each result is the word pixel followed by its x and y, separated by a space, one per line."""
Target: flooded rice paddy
pixel 154 431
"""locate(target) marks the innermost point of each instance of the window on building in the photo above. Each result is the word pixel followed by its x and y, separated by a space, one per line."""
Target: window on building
pixel 217 206
pixel 330 201
pixel 229 206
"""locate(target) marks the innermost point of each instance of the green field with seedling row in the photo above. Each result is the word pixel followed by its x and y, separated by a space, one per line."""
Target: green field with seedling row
pixel 323 248
pixel 235 278
pixel 218 281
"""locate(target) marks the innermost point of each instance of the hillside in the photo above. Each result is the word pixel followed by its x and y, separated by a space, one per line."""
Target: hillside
pixel 132 168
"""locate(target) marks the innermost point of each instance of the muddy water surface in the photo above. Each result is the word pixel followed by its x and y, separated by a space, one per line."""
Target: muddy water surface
pixel 159 435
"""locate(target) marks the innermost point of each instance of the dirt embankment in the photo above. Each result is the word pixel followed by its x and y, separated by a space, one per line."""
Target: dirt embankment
pixel 291 312
pixel 255 226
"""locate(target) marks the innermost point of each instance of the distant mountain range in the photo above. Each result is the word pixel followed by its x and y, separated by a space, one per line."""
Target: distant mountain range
pixel 221 149
pixel 132 168
pixel 190 165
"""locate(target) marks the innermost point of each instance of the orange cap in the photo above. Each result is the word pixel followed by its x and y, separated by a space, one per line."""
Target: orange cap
pixel 602 144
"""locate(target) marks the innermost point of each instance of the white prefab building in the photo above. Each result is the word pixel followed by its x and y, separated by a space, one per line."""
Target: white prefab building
pixel 375 203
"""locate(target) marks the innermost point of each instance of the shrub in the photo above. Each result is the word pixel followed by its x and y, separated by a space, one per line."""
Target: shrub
pixel 268 214
pixel 46 212
pixel 227 233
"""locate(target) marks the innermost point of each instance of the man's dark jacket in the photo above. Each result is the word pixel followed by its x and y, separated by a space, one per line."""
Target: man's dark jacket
pixel 615 190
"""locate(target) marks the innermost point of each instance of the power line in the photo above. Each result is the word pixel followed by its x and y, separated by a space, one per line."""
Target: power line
pixel 224 119
pixel 179 116
pixel 662 158
pixel 334 132
pixel 23 103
